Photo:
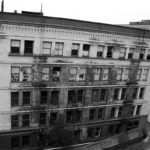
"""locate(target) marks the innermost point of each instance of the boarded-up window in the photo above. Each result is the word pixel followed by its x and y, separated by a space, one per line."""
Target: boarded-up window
pixel 15 74
pixel 45 73
pixel 59 48
pixel 26 74
pixel 15 46
pixel 46 49
pixel 100 50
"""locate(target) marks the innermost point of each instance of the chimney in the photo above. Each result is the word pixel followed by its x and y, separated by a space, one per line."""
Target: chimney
pixel 2 6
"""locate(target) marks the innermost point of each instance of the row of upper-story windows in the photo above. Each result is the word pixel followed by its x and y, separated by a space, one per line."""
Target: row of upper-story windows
pixel 57 49
pixel 75 96
pixel 72 116
pixel 53 74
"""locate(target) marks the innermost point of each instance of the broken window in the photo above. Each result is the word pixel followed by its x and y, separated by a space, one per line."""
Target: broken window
pixel 93 132
pixel 43 99
pixel 123 94
pixel 141 95
pixel 42 119
pixel 56 74
pixel 126 74
pixel 15 46
pixel 75 50
pixel 142 53
pixel 59 48
pixel 134 94
pixel 86 49
pixel 46 49
pixel 15 74
pixel 138 110
pixel 97 74
pixel 130 53
pixel 119 73
pixel 26 98
pixel 14 121
pixel 95 93
pixel 105 74
pixel 25 141
pixel 148 54
pixel 132 110
pixel 15 142
pixel 100 50
pixel 73 74
pixel 14 99
pixel 45 73
pixel 53 117
pixel 145 74
pixel 25 120
pixel 122 52
pixel 28 47
pixel 54 97
pixel 139 72
pixel 110 51
pixel 26 74
pixel 73 116
pixel 116 94
pixel 81 76
pixel 103 94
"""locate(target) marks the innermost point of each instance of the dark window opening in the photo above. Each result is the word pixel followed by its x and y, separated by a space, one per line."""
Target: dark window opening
pixel 28 49
pixel 71 96
pixel 100 113
pixel 14 121
pixel 43 99
pixel 90 133
pixel 15 142
pixel 138 110
pixel 56 74
pixel 76 135
pixel 95 95
pixel 26 98
pixel 103 94
pixel 110 51
pixel 54 97
pixel 116 94
pixel 135 90
pixel 123 94
pixel 53 117
pixel 80 95
pixel 99 54
pixel 141 95
pixel 74 53
pixel 113 109
pixel 25 120
pixel 86 49
pixel 26 141
pixel 118 128
pixel 92 114
pixel 132 125
pixel 120 112
pixel 14 99
pixel 42 118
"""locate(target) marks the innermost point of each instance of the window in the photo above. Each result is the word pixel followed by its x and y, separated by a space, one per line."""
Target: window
pixel 110 51
pixel 56 74
pixel 116 112
pixel 15 142
pixel 43 99
pixel 93 132
pixel 15 74
pixel 111 130
pixel 134 94
pixel 14 99
pixel 73 74
pixel 130 54
pixel 15 46
pixel 42 118
pixel 25 120
pixel 141 55
pixel 97 74
pixel 45 73
pixel 126 74
pixel 75 50
pixel 26 74
pixel 86 49
pixel 138 110
pixel 145 75
pixel 95 95
pixel 141 95
pixel 80 95
pixel 14 121
pixel 76 134
pixel 46 49
pixel 119 73
pixel 26 141
pixel 132 110
pixel 26 98
pixel 116 94
pixel 103 94
pixel 120 112
pixel 54 97
pixel 53 117
pixel 118 128
pixel 59 48
pixel 81 76
pixel 122 52
pixel 73 116
pixel 100 50
pixel 105 73
pixel 123 94
pixel 96 114
pixel 132 125
pixel 148 54
pixel 113 110
pixel 139 72
pixel 71 96
pixel 28 49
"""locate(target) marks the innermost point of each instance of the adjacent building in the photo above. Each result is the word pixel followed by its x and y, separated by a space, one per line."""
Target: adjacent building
pixel 91 77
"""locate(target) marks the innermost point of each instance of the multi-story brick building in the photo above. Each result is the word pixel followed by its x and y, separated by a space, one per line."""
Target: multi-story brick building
pixel 93 77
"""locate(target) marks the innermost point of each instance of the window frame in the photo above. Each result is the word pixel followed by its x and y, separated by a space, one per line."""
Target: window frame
pixel 28 48
pixel 15 40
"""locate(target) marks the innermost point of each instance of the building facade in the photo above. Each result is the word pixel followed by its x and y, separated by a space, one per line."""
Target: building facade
pixel 91 77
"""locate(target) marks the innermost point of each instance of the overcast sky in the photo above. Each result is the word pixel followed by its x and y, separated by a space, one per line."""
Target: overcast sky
pixel 105 11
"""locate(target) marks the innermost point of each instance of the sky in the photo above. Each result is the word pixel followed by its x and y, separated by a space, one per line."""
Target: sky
pixel 104 11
